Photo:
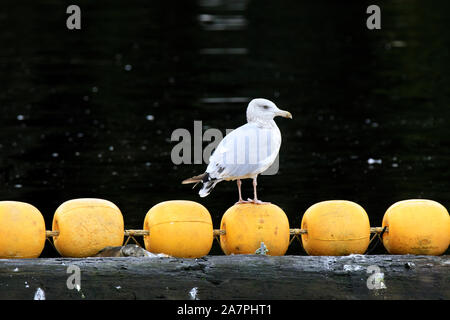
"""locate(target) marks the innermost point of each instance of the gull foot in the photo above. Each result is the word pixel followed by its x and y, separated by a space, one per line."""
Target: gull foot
pixel 256 201
pixel 242 201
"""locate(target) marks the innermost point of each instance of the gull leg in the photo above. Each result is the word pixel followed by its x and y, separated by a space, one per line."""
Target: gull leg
pixel 255 200
pixel 240 194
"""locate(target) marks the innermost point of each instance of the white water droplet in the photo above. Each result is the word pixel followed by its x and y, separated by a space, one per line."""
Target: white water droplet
pixel 373 161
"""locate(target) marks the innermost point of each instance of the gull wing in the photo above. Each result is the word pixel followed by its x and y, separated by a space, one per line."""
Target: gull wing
pixel 245 152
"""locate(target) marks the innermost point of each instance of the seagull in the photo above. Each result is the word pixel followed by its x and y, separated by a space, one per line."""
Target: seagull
pixel 245 152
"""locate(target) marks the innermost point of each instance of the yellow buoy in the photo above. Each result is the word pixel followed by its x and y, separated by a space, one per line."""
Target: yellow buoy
pixel 179 228
pixel 335 228
pixel 22 230
pixel 86 226
pixel 247 225
pixel 416 227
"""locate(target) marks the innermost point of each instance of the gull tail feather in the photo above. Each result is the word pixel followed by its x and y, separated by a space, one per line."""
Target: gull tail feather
pixel 208 185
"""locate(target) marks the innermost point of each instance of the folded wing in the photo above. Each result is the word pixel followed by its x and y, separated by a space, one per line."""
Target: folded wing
pixel 245 152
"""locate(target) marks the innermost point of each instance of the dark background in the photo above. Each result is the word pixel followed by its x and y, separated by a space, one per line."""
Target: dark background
pixel 90 112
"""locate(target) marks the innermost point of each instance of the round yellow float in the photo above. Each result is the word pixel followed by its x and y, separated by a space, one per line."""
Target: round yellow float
pixel 179 228
pixel 86 226
pixel 22 230
pixel 335 228
pixel 247 225
pixel 416 227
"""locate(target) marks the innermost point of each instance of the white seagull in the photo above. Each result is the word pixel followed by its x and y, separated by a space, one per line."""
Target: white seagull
pixel 246 151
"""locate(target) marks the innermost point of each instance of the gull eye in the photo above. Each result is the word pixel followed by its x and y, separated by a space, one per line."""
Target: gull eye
pixel 266 107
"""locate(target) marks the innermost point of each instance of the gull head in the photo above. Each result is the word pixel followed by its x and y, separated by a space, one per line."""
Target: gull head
pixel 264 110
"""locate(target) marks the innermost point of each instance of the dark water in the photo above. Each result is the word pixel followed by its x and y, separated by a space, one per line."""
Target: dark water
pixel 90 113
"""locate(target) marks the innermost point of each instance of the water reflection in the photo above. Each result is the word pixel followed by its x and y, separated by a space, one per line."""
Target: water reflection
pixel 240 100
pixel 232 5
pixel 223 51
pixel 211 22
pixel 90 114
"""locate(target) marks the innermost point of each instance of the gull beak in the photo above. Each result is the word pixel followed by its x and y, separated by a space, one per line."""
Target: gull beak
pixel 284 114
